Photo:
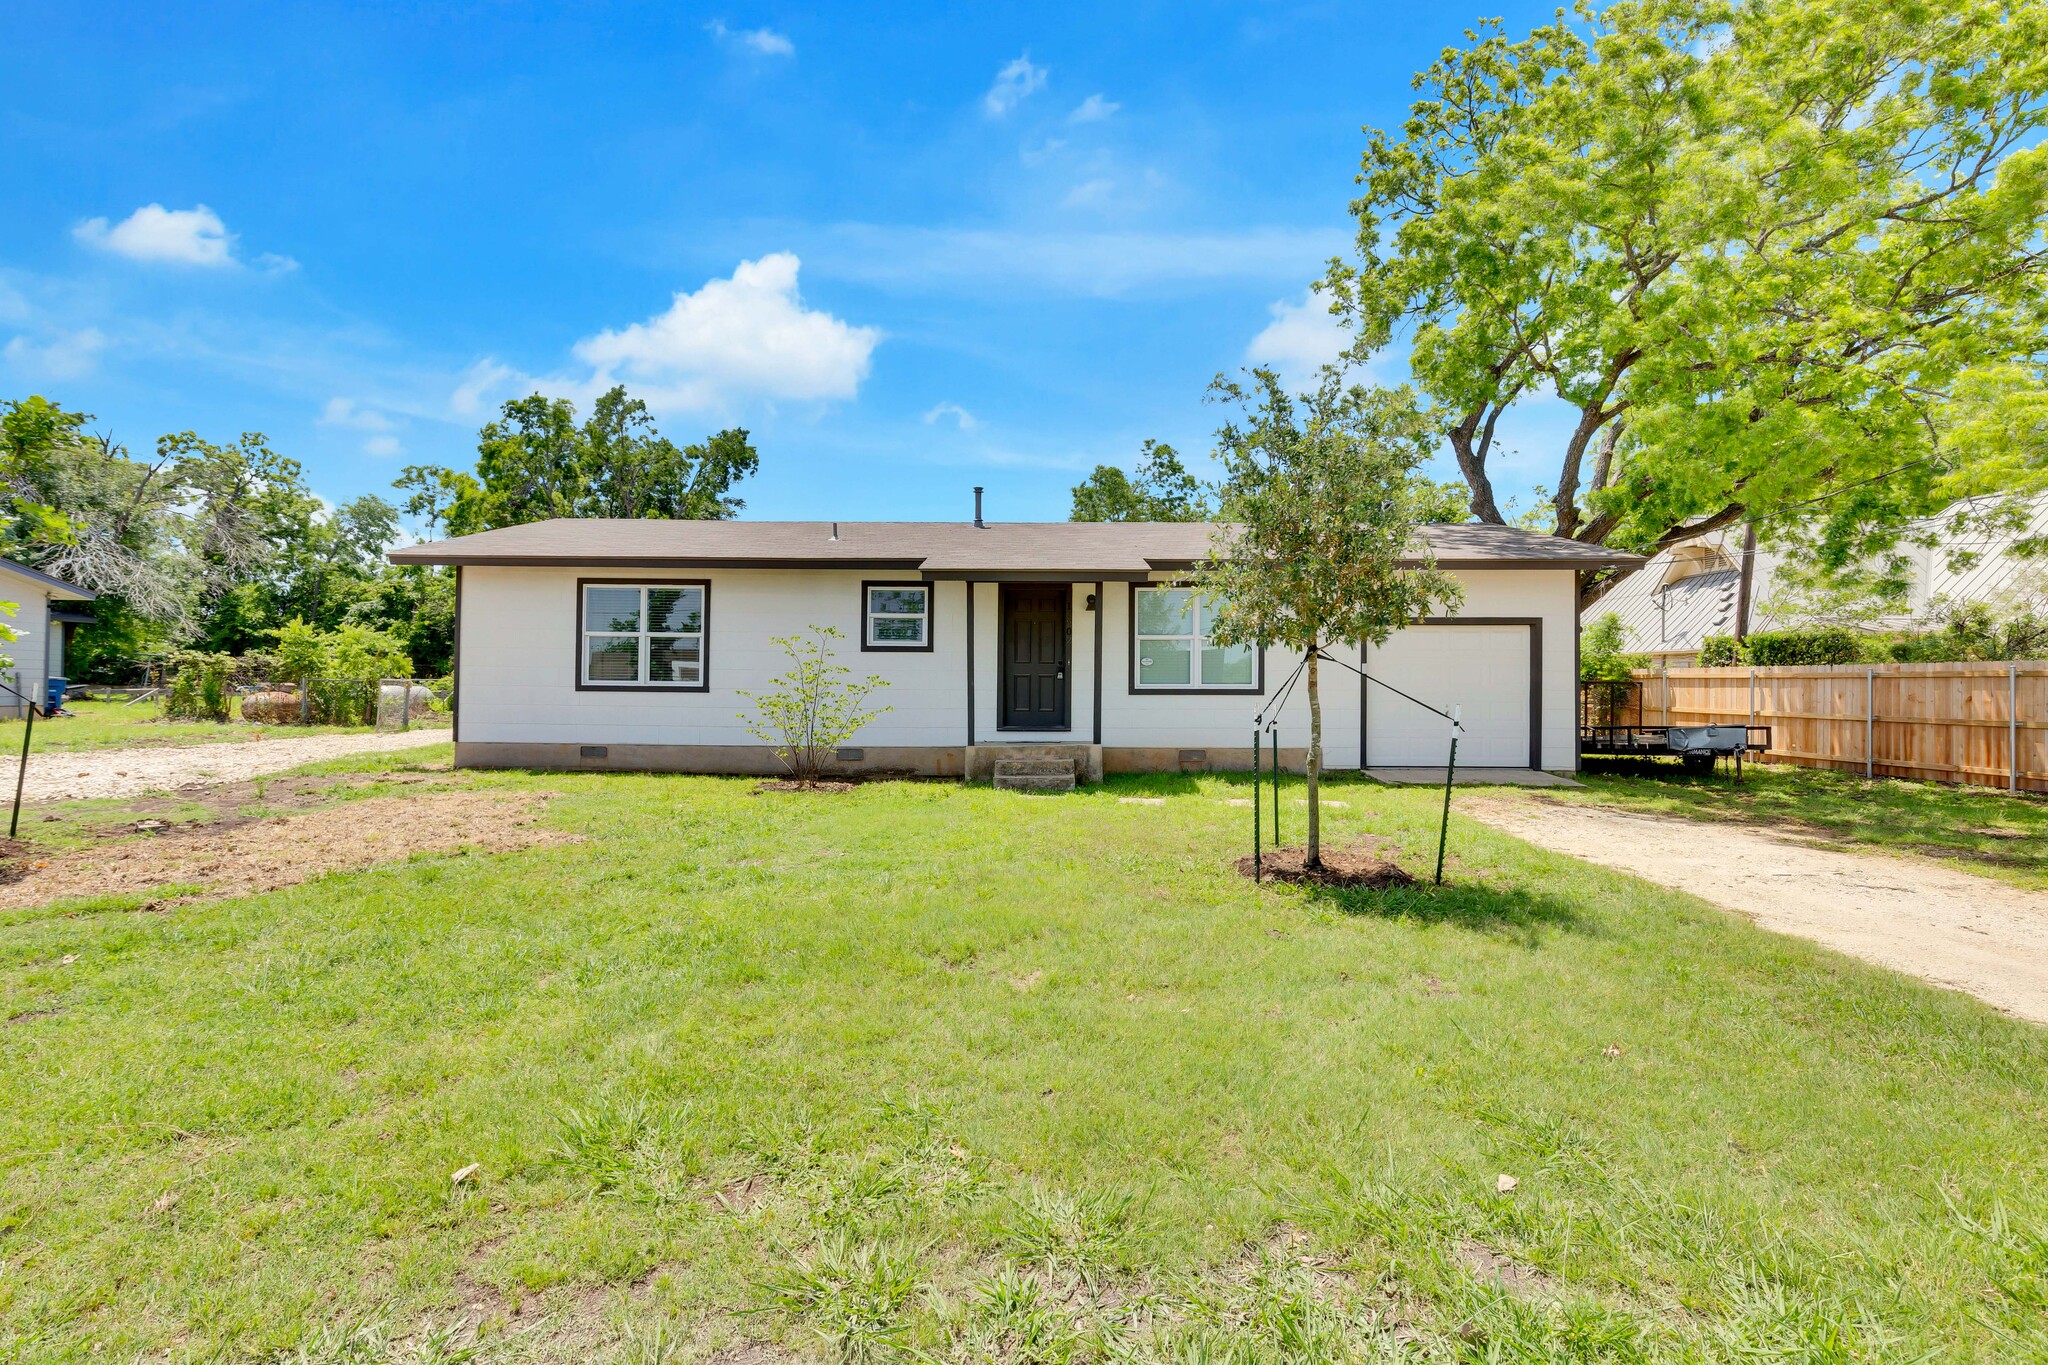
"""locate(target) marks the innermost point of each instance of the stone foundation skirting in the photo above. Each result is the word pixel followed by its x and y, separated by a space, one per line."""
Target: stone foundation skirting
pixel 748 760
pixel 737 760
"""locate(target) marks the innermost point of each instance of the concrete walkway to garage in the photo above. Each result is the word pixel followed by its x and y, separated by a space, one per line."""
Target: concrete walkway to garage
pixel 1474 777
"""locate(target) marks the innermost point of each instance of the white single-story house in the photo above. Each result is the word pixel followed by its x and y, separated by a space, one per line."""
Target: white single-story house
pixel 45 614
pixel 626 644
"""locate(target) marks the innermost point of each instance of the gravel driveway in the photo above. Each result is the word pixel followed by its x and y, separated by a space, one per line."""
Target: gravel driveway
pixel 129 772
pixel 1965 932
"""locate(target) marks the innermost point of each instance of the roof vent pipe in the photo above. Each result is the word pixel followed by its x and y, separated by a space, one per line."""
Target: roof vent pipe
pixel 977 507
pixel 835 530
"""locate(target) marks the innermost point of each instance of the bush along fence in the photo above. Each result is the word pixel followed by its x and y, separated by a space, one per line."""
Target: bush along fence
pixel 1980 723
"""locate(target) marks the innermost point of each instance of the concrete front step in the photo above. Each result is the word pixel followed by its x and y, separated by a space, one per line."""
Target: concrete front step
pixel 1035 782
pixel 1028 767
pixel 1035 774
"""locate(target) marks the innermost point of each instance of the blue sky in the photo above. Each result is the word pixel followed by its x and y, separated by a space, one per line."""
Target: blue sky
pixel 912 249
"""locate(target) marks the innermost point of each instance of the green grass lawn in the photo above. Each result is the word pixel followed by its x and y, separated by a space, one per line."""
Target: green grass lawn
pixel 1986 831
pixel 113 725
pixel 930 1072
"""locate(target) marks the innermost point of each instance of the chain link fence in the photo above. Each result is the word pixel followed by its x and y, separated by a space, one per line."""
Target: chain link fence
pixel 375 703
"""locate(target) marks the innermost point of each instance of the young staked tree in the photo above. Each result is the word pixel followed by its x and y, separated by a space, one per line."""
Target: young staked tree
pixel 1323 512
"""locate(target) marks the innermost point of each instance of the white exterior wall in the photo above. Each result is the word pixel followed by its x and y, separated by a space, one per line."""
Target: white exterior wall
pixel 520 653
pixel 34 650
pixel 1161 721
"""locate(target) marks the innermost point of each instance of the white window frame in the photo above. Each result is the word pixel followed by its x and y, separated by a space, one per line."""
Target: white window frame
pixel 1196 643
pixel 868 617
pixel 644 635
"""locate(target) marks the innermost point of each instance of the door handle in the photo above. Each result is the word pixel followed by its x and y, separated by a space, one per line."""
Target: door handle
pixel 1060 672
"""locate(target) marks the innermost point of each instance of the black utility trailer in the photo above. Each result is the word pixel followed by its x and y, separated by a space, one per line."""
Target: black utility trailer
pixel 1610 725
pixel 1695 746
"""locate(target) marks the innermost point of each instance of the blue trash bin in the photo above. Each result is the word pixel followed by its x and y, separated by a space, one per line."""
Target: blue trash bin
pixel 55 698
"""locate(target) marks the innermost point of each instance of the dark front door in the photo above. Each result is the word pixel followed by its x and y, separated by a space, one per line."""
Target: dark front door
pixel 1035 655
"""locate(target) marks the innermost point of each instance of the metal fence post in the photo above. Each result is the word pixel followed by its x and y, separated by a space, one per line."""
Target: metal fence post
pixel 1276 787
pixel 405 707
pixel 1255 805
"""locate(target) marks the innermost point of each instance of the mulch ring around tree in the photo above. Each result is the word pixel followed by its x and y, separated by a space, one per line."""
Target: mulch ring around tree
pixel 1359 865
pixel 823 786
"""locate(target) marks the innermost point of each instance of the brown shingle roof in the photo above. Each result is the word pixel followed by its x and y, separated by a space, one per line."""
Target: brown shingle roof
pixel 1080 549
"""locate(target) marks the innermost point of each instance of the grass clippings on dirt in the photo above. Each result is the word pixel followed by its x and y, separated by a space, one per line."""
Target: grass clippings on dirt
pixel 1359 866
pixel 241 857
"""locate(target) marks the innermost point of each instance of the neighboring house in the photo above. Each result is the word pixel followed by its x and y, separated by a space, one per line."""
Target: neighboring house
pixel 45 614
pixel 625 644
pixel 1683 595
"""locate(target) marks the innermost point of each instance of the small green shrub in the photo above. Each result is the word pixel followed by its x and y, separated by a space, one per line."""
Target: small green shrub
pixel 1606 671
pixel 1783 648
pixel 1720 651
pixel 200 687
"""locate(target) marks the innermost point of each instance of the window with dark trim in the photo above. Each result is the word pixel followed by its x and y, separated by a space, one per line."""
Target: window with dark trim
pixel 896 616
pixel 1172 651
pixel 642 636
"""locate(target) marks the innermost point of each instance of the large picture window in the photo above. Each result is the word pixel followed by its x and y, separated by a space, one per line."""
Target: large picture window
pixel 1172 649
pixel 896 616
pixel 643 635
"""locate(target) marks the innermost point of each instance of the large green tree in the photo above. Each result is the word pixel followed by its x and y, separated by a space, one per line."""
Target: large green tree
pixel 1760 251
pixel 537 461
pixel 206 544
pixel 1323 504
pixel 1162 491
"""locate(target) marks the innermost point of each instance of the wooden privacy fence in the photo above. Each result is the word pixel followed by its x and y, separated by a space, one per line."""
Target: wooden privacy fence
pixel 1985 723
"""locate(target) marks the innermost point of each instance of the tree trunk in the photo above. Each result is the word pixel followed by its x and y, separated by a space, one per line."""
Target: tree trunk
pixel 1315 763
pixel 1746 583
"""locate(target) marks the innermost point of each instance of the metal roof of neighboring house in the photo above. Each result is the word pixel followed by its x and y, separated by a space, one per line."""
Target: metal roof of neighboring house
pixel 1129 549
pixel 58 588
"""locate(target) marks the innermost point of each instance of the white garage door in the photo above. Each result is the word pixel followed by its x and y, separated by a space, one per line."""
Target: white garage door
pixel 1482 669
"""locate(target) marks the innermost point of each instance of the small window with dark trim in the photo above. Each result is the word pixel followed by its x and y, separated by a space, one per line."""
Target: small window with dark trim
pixel 643 635
pixel 896 616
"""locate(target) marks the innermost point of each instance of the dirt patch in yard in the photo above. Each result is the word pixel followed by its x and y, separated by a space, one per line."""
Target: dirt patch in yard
pixel 208 860
pixel 1359 865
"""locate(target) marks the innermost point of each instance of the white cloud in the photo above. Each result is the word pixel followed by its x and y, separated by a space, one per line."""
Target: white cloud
pixel 69 355
pixel 1091 194
pixel 1301 339
pixel 1004 263
pixel 479 381
pixel 962 418
pixel 1015 83
pixel 765 41
pixel 275 264
pixel 383 447
pixel 1094 109
pixel 748 336
pixel 194 236
pixel 345 412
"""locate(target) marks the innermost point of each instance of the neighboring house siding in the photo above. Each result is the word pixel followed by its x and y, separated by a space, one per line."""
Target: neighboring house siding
pixel 1669 622
pixel 34 652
